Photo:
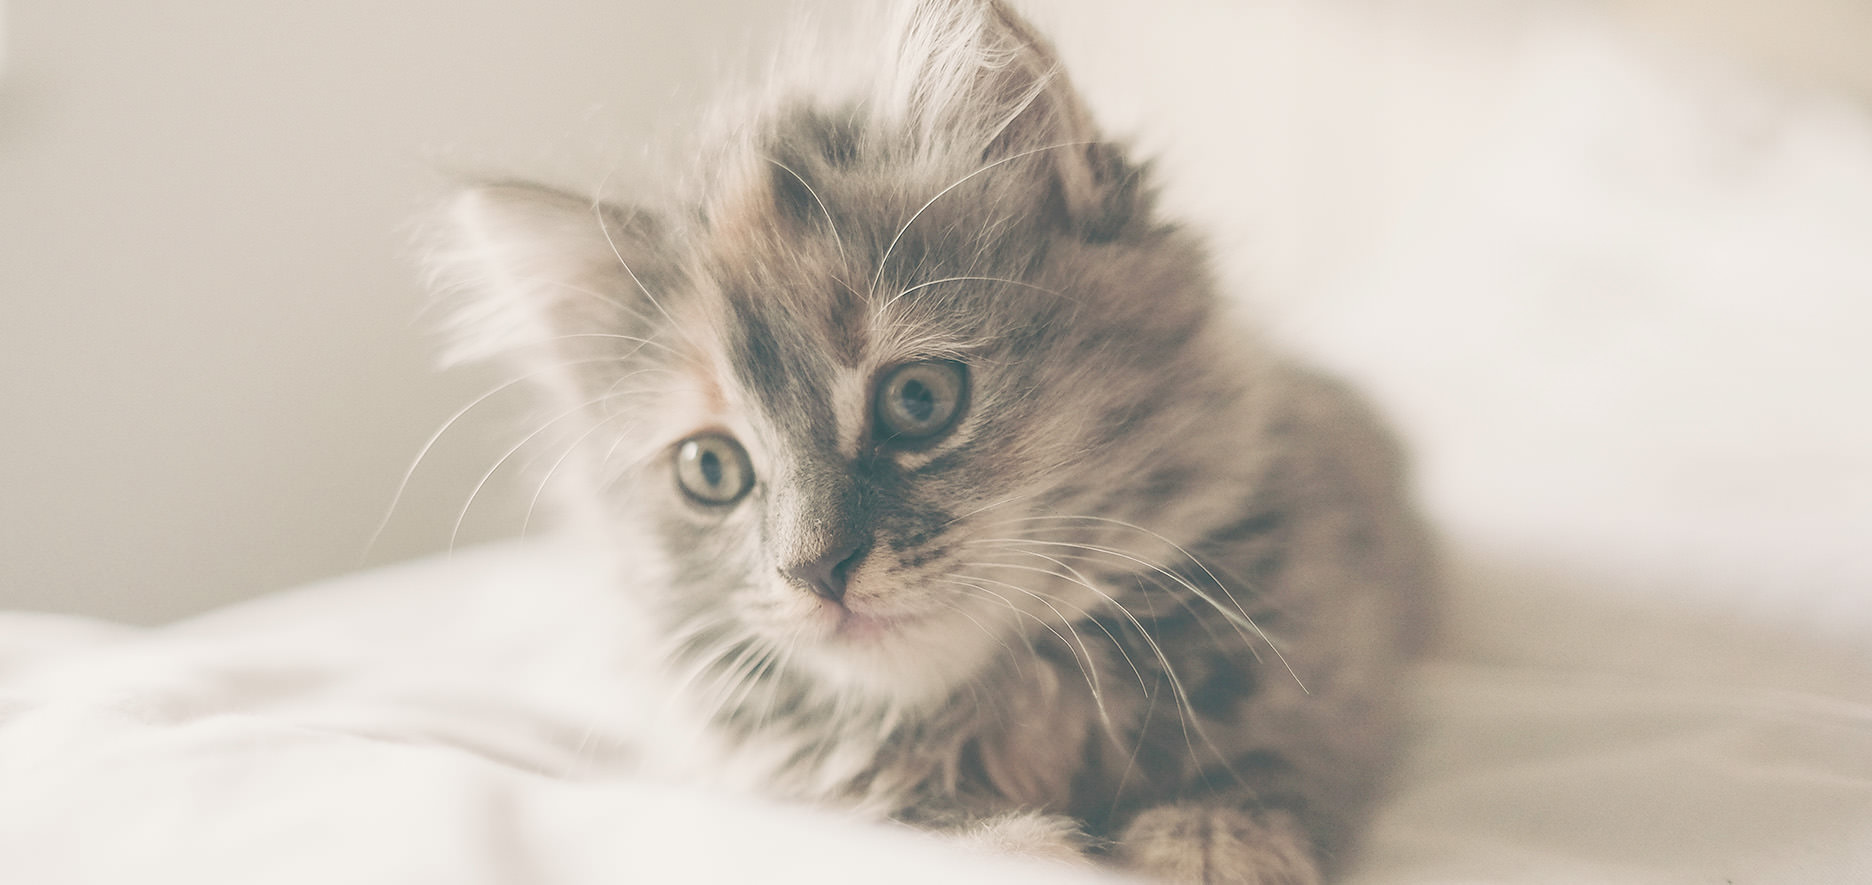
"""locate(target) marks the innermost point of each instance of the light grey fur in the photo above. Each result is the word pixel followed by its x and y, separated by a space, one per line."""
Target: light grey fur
pixel 1149 599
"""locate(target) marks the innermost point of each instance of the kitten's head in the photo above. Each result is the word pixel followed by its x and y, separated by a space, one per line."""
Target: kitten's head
pixel 919 378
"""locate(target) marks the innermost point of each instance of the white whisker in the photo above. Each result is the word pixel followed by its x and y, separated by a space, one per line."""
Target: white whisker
pixel 641 342
pixel 1237 613
pixel 1115 604
pixel 833 225
pixel 894 298
pixel 423 453
pixel 598 212
pixel 883 260
pixel 982 509
pixel 1088 665
pixel 1185 713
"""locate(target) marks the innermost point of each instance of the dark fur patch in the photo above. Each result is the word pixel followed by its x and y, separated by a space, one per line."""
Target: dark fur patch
pixel 793 196
pixel 1253 525
pixel 1224 690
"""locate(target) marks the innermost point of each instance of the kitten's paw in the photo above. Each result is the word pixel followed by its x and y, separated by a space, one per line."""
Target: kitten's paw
pixel 1047 836
pixel 1214 846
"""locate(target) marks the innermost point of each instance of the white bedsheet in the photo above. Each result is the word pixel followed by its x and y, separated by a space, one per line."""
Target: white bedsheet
pixel 459 721
pixel 1630 344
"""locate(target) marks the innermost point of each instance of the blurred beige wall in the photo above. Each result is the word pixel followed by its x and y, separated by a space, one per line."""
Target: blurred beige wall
pixel 1824 43
pixel 212 367
pixel 213 372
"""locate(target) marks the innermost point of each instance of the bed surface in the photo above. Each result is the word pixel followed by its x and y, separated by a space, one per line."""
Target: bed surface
pixel 462 720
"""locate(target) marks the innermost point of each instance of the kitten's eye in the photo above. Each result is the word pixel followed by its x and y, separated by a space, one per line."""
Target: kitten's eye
pixel 713 469
pixel 917 401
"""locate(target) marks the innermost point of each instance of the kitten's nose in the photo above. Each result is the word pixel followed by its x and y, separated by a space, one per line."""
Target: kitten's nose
pixel 825 574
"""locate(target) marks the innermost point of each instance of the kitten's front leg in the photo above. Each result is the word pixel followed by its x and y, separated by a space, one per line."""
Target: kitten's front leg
pixel 1027 834
pixel 1217 844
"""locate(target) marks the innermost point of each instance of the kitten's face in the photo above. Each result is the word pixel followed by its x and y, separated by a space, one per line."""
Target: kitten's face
pixel 864 467
pixel 908 391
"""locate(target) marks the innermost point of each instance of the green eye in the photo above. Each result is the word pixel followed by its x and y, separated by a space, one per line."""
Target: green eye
pixel 713 469
pixel 917 401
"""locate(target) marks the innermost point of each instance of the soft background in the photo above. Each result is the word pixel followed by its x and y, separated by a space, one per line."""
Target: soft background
pixel 213 366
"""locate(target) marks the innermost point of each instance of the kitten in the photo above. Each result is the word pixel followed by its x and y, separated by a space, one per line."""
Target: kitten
pixel 955 496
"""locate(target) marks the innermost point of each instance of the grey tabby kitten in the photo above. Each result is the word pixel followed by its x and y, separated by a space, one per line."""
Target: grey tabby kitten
pixel 952 492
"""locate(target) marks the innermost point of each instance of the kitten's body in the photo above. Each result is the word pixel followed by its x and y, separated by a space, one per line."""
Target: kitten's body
pixel 1142 590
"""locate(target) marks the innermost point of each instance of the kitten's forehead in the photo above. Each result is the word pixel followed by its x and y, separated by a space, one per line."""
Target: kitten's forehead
pixel 806 351
pixel 801 372
pixel 833 251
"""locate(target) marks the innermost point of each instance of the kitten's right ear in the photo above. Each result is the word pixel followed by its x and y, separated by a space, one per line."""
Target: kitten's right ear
pixel 539 275
pixel 975 73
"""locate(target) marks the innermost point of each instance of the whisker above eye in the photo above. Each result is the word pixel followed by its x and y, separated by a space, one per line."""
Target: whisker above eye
pixel 604 227
pixel 833 225
pixel 886 306
pixel 884 260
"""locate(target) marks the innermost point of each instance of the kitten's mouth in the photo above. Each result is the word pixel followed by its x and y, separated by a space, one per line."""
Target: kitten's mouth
pixel 841 622
pixel 902 653
pixel 865 627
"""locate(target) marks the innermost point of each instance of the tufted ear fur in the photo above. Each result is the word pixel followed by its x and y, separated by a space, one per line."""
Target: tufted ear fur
pixel 542 277
pixel 978 74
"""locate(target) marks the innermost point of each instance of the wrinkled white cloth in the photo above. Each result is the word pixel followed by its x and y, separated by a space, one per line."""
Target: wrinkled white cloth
pixel 460 721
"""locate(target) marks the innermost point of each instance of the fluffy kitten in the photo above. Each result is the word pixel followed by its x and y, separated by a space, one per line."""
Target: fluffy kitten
pixel 954 494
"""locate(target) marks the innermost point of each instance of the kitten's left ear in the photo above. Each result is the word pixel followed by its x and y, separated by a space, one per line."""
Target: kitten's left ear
pixel 984 75
pixel 542 277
